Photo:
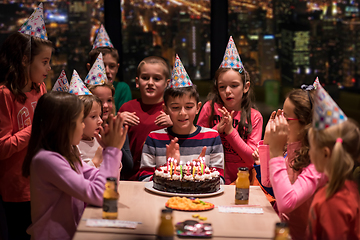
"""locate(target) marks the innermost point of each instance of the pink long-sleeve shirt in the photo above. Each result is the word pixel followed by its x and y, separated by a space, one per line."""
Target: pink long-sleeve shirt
pixel 293 190
pixel 58 193
pixel 15 129
pixel 237 151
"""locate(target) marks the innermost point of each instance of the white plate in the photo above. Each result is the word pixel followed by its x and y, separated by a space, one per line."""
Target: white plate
pixel 149 186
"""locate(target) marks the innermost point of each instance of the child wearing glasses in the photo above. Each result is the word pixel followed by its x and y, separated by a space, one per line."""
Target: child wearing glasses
pixel 292 176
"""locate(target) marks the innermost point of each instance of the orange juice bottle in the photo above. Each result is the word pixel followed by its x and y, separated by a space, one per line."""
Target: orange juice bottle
pixel 111 196
pixel 242 186
pixel 165 230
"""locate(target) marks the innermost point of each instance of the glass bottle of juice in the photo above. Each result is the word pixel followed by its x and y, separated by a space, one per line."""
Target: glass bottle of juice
pixel 282 231
pixel 165 230
pixel 111 196
pixel 242 185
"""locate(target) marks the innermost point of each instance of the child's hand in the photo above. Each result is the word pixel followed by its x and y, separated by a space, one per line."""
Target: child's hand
pixel 279 130
pixel 98 158
pixel 130 118
pixel 267 128
pixel 173 150
pixel 163 120
pixel 114 133
pixel 256 157
pixel 227 118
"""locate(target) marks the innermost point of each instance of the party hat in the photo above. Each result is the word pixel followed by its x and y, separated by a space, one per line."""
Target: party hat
pixel 327 113
pixel 97 73
pixel 35 25
pixel 231 57
pixel 61 84
pixel 316 83
pixel 77 86
pixel 179 76
pixel 102 39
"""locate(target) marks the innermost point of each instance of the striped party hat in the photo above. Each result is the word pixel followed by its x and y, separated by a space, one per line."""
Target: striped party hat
pixel 61 84
pixel 35 25
pixel 326 112
pixel 77 86
pixel 102 39
pixel 97 73
pixel 231 57
pixel 179 76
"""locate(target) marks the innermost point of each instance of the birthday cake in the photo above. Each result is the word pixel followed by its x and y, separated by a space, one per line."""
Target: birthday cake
pixel 191 178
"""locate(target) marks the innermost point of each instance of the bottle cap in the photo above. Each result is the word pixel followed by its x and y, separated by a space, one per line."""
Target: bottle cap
pixel 166 210
pixel 243 169
pixel 282 224
pixel 111 179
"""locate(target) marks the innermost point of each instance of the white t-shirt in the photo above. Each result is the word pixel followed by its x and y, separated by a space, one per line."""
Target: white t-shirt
pixel 87 149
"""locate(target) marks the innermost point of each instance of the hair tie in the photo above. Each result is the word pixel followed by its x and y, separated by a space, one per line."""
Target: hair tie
pixel 339 140
pixel 241 70
pixel 307 87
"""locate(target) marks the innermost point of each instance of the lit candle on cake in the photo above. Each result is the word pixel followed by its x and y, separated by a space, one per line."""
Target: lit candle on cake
pixel 198 170
pixel 202 165
pixel 194 167
pixel 188 167
pixel 167 164
pixel 180 169
pixel 175 162
pixel 171 165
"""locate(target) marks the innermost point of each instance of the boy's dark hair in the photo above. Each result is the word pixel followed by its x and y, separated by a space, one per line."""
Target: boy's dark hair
pixel 245 125
pixel 181 91
pixel 54 133
pixel 16 49
pixel 88 101
pixel 93 54
pixel 154 60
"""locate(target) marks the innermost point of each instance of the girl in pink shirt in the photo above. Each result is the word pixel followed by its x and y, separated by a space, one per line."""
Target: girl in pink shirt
pixel 24 65
pixel 291 175
pixel 230 111
pixel 60 182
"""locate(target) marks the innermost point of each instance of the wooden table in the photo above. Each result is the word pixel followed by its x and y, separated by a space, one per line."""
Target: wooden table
pixel 140 205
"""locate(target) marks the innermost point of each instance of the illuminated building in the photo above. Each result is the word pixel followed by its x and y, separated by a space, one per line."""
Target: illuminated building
pixel 267 53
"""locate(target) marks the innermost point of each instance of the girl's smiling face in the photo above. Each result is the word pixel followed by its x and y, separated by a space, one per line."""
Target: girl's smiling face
pixel 106 97
pixel 231 89
pixel 92 122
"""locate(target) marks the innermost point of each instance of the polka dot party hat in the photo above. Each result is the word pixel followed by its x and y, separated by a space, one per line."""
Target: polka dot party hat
pixel 326 112
pixel 97 73
pixel 35 25
pixel 77 86
pixel 316 83
pixel 231 57
pixel 61 84
pixel 179 76
pixel 102 39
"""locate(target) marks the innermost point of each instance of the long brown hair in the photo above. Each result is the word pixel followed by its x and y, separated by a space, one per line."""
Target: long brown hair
pixel 245 126
pixel 18 49
pixel 344 155
pixel 303 102
pixel 54 133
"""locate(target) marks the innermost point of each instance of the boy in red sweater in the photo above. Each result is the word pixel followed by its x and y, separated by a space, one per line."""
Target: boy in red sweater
pixel 145 114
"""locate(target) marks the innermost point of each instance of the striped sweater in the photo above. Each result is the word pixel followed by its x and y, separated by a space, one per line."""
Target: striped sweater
pixel 154 150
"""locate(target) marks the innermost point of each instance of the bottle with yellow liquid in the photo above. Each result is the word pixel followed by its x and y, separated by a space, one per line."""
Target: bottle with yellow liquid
pixel 111 196
pixel 242 185
pixel 282 231
pixel 165 230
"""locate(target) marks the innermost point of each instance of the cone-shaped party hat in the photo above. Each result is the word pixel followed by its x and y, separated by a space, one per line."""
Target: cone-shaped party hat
pixel 102 39
pixel 35 25
pixel 77 86
pixel 316 83
pixel 179 76
pixel 61 84
pixel 97 73
pixel 326 112
pixel 231 57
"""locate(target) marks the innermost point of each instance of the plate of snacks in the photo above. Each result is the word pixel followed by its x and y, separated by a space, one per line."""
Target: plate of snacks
pixel 188 204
